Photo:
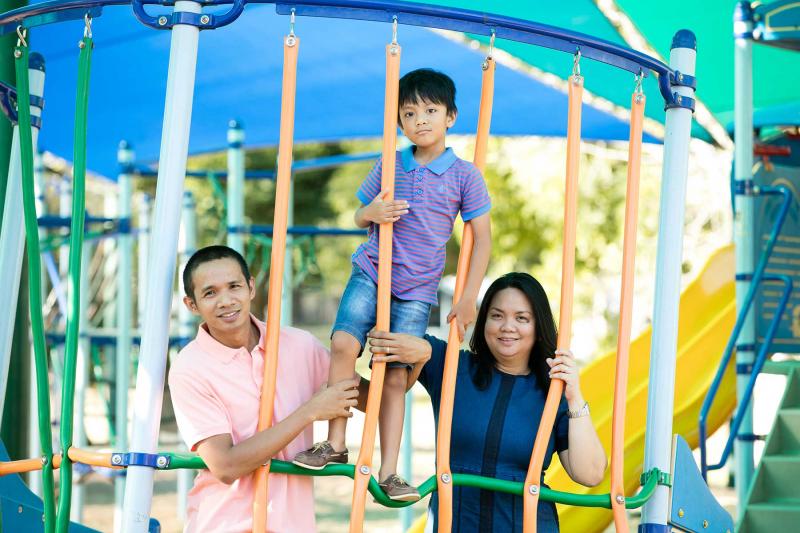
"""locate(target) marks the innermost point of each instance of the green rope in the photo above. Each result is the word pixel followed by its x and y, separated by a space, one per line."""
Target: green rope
pixel 190 461
pixel 73 306
pixel 34 283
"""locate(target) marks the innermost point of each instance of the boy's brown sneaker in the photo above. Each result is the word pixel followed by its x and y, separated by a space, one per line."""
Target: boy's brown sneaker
pixel 399 490
pixel 319 455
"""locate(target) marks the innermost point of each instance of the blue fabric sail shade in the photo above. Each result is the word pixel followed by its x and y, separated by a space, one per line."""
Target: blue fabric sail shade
pixel 340 85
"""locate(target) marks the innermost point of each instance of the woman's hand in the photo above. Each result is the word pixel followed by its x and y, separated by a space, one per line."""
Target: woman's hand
pixel 563 367
pixel 388 347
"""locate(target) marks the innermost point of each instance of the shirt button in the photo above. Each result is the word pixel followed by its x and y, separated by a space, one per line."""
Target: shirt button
pixel 419 191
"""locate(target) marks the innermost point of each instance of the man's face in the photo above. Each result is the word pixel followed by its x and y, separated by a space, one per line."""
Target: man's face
pixel 222 296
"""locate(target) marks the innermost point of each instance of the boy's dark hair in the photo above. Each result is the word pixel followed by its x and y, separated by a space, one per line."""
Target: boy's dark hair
pixel 428 85
pixel 205 255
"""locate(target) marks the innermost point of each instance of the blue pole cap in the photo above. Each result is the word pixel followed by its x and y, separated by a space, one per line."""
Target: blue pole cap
pixel 36 61
pixel 125 145
pixel 684 39
pixel 743 12
pixel 235 124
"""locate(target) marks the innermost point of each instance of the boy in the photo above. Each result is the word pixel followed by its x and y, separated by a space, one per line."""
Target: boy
pixel 431 186
pixel 215 384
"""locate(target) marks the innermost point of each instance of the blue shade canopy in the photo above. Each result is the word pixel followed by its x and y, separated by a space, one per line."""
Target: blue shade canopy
pixel 340 84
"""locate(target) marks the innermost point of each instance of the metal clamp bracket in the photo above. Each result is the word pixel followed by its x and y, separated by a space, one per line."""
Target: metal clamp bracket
pixel 8 104
pixel 744 369
pixel 150 460
pixel 750 437
pixel 679 79
pixel 198 20
pixel 664 478
pixel 744 187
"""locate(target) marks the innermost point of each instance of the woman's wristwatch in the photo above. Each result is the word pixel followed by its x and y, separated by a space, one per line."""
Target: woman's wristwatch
pixel 583 411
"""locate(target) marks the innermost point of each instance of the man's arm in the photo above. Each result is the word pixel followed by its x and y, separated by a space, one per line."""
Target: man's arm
pixel 228 462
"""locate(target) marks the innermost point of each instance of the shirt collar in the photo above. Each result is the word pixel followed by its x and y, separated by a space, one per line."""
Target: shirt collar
pixel 225 353
pixel 438 166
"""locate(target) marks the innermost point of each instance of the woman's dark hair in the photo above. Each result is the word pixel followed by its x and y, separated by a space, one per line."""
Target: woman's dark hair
pixel 428 85
pixel 544 344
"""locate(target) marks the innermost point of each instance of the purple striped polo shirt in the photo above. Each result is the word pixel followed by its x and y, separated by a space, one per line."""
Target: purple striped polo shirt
pixel 435 193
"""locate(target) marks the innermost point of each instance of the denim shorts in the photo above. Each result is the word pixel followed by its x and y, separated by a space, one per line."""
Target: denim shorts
pixel 358 309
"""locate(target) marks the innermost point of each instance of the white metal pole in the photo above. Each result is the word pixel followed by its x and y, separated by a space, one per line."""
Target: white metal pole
pixel 187 323
pixel 161 267
pixel 235 186
pixel 12 234
pixel 143 246
pixel 35 477
pixel 744 224
pixel 81 377
pixel 125 157
pixel 658 440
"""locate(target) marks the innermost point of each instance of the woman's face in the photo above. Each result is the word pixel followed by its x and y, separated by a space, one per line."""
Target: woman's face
pixel 510 329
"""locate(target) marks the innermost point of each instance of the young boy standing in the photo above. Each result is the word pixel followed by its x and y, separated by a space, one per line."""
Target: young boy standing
pixel 431 186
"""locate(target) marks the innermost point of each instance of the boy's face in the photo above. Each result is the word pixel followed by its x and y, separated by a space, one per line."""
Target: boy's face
pixel 425 124
pixel 222 296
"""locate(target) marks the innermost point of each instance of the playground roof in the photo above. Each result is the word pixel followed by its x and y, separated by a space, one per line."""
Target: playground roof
pixel 340 84
pixel 651 24
pixel 341 75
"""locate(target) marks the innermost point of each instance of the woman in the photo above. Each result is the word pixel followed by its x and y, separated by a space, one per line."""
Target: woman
pixel 501 388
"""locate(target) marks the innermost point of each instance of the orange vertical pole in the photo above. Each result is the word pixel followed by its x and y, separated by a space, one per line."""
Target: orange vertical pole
pixel 364 463
pixel 443 474
pixel 283 185
pixel 533 478
pixel 625 313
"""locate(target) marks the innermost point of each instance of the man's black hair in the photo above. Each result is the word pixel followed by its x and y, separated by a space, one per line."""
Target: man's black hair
pixel 205 255
pixel 428 85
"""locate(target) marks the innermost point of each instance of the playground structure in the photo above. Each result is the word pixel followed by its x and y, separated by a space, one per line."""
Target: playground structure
pixel 185 24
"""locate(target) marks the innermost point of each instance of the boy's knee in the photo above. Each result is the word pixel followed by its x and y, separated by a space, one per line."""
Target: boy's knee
pixel 344 346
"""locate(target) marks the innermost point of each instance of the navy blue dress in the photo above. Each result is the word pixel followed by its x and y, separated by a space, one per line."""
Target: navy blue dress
pixel 492 435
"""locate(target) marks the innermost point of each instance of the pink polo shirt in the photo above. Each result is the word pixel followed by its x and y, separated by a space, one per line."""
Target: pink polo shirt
pixel 216 390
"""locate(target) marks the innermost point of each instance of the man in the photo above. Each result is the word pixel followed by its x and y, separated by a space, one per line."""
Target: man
pixel 215 384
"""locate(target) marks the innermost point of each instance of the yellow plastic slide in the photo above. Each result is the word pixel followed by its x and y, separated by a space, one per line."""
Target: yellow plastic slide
pixel 706 318
pixel 707 315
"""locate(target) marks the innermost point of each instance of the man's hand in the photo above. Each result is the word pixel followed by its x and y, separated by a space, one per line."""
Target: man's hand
pixel 334 401
pixel 464 312
pixel 381 211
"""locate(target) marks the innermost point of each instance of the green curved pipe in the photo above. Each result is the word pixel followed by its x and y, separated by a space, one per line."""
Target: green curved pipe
pixel 179 461
pixel 74 291
pixel 35 285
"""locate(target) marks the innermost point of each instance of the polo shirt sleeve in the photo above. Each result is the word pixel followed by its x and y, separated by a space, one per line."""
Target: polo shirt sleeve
pixel 371 185
pixel 561 427
pixel 474 195
pixel 199 412
pixel 431 375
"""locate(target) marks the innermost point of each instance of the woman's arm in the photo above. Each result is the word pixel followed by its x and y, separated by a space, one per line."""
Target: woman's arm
pixel 228 462
pixel 387 347
pixel 585 459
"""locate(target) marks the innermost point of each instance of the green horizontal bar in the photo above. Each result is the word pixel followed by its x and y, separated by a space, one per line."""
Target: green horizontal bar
pixel 183 460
